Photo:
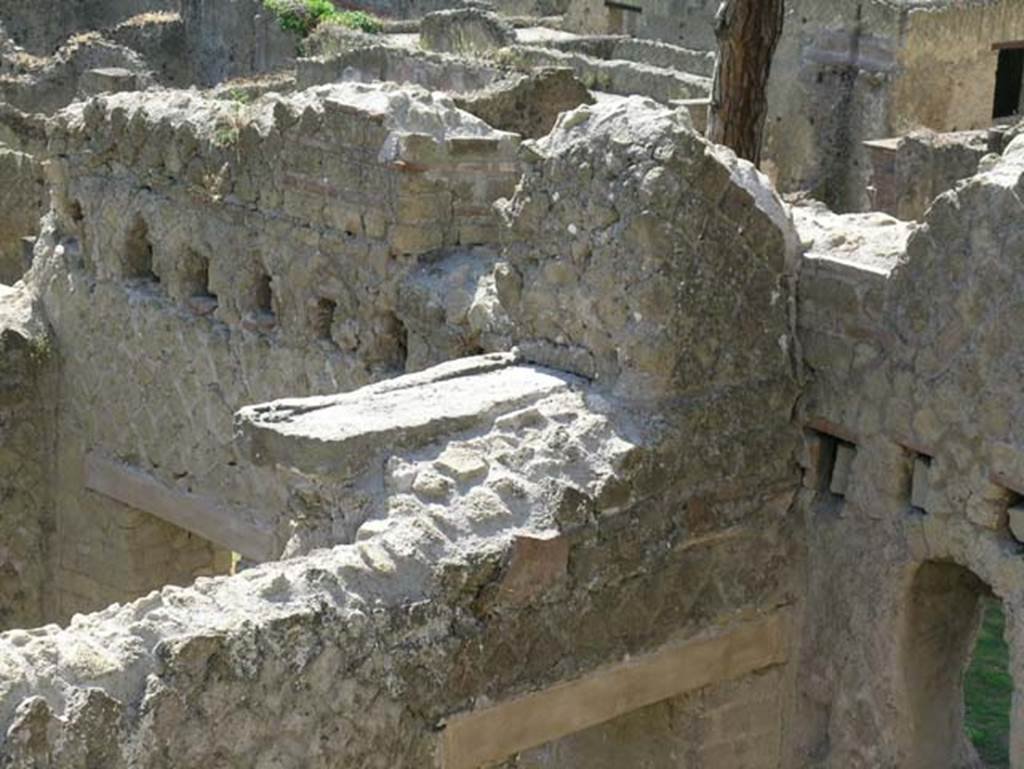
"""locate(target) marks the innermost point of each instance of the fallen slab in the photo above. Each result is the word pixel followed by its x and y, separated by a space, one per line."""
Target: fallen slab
pixel 335 436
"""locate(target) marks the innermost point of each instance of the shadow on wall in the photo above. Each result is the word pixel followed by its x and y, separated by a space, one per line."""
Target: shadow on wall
pixel 947 604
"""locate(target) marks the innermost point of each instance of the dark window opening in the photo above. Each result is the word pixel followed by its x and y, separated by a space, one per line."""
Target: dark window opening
pixel 196 284
pixel 920 482
pixel 138 253
pixel 197 276
pixel 1009 79
pixel 77 215
pixel 323 318
pixel 264 295
pixel 988 689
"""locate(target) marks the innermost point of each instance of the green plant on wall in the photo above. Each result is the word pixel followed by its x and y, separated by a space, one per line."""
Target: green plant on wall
pixel 304 16
pixel 40 349
pixel 359 20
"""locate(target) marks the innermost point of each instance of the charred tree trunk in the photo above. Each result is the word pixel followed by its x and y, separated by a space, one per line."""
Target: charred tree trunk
pixel 748 32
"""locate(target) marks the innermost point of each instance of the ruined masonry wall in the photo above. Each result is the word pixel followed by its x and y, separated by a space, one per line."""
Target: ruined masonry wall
pixel 22 199
pixel 26 431
pixel 227 39
pixel 841 78
pixel 203 256
pixel 944 84
pixel 589 525
pixel 40 26
pixel 918 377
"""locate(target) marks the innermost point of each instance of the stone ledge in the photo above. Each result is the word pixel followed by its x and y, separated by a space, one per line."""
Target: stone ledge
pixel 337 435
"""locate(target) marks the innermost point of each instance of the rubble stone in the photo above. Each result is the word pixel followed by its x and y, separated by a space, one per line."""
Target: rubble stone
pixel 465 30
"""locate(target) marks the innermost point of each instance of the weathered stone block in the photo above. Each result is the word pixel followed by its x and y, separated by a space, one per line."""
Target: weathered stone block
pixel 1016 521
pixel 465 30
pixel 842 469
pixel 107 80
pixel 920 483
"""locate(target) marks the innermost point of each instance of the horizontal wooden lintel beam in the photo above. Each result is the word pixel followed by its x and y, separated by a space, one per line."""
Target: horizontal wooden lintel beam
pixel 203 516
pixel 472 739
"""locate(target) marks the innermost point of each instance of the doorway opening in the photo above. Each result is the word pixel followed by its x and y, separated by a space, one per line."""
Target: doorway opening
pixel 1009 80
pixel 957 673
pixel 988 688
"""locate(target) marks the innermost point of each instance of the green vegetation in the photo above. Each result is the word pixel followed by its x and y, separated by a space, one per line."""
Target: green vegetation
pixel 40 348
pixel 359 20
pixel 239 96
pixel 988 689
pixel 304 16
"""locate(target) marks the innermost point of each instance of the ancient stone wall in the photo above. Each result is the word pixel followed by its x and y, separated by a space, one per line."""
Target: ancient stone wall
pixel 160 39
pixel 53 83
pixel 947 65
pixel 26 431
pixel 22 199
pixel 234 38
pixel 213 254
pixel 830 91
pixel 688 23
pixel 525 531
pixel 617 76
pixel 914 463
pixel 41 26
pixel 908 173
pixel 372 63
pixel 843 75
pixel 655 54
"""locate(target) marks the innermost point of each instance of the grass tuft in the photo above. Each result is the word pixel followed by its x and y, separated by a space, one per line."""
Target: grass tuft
pixel 988 689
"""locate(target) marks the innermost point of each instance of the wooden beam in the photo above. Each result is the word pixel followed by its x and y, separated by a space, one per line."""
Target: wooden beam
pixel 472 739
pixel 1009 44
pixel 203 516
pixel 623 6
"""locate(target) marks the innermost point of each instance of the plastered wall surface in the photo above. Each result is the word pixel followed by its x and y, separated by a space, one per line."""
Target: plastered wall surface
pixel 843 75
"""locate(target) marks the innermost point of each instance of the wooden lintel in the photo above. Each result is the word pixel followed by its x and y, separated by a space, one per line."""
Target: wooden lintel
pixel 833 429
pixel 203 516
pixel 473 739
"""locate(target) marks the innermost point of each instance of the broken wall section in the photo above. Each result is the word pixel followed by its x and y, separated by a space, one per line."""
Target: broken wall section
pixel 40 26
pixel 228 39
pixel 23 199
pixel 908 173
pixel 544 528
pixel 215 254
pixel 909 331
pixel 27 409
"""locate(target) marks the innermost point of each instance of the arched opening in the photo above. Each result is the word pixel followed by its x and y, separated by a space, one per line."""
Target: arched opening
pixel 138 252
pixel 944 654
pixel 323 319
pixel 264 295
pixel 196 284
